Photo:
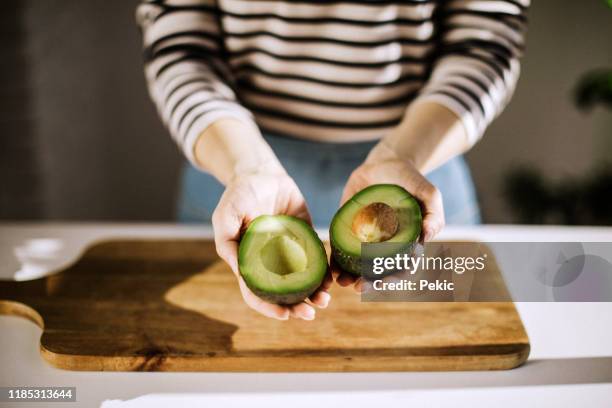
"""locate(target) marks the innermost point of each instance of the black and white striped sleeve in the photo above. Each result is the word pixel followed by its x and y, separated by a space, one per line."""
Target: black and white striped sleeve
pixel 187 77
pixel 477 64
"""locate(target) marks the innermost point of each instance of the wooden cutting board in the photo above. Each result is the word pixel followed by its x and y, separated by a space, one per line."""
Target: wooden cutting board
pixel 173 306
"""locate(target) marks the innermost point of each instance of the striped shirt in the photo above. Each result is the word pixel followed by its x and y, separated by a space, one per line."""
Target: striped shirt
pixel 336 71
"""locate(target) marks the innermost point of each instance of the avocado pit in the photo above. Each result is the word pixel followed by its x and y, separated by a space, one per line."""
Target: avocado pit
pixel 376 222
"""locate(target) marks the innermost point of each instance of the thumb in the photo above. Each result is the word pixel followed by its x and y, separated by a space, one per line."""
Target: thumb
pixel 228 251
pixel 352 187
pixel 304 214
pixel 298 208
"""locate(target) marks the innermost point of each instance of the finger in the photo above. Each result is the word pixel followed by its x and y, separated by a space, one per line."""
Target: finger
pixel 358 287
pixel 432 225
pixel 302 213
pixel 433 218
pixel 327 283
pixel 350 189
pixel 347 193
pixel 320 299
pixel 259 305
pixel 431 201
pixel 297 206
pixel 356 182
pixel 334 269
pixel 346 279
pixel 366 286
pixel 228 251
pixel 302 311
pixel 226 227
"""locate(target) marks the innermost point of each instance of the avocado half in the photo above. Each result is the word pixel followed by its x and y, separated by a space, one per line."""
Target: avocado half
pixel 378 213
pixel 281 259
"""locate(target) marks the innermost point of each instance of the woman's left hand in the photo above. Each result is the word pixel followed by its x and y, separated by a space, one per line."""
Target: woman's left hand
pixel 383 166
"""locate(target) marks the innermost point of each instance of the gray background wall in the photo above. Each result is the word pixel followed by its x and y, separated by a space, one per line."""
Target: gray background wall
pixel 541 127
pixel 104 154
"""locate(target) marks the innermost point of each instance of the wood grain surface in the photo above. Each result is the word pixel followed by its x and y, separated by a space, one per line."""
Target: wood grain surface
pixel 173 306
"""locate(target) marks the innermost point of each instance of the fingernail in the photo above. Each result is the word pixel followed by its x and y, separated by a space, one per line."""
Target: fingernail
pixel 359 287
pixel 325 297
pixel 310 315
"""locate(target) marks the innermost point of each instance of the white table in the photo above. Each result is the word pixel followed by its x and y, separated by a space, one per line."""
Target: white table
pixel 570 362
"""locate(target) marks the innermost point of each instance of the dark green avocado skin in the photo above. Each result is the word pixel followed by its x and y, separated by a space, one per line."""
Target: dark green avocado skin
pixel 284 299
pixel 348 263
pixel 352 264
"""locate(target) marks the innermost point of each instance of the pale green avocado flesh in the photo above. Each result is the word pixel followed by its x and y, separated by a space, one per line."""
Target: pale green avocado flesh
pixel 346 247
pixel 281 259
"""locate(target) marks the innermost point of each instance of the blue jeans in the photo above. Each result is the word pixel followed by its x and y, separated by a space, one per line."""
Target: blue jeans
pixel 321 171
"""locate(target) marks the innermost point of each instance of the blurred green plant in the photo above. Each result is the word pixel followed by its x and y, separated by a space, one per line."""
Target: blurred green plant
pixel 579 201
pixel 528 195
pixel 535 199
pixel 594 88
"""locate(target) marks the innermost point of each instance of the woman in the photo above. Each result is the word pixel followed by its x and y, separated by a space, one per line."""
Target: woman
pixel 280 103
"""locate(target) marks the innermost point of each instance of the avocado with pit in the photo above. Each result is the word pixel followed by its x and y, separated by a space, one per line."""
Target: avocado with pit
pixel 281 259
pixel 378 213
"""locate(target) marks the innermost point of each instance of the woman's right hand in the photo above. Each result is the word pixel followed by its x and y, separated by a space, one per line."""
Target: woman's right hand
pixel 246 196
pixel 255 184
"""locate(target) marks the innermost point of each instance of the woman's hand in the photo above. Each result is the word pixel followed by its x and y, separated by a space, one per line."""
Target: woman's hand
pixel 255 184
pixel 428 136
pixel 266 191
pixel 383 166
